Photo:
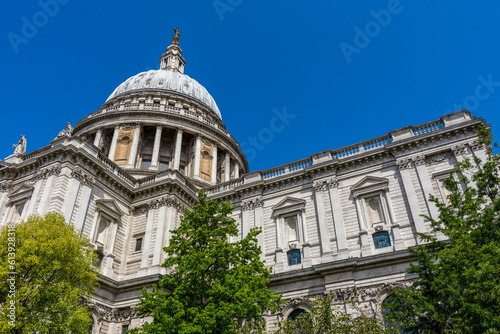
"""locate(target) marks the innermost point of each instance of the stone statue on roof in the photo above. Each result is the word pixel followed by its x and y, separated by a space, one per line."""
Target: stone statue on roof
pixel 66 132
pixel 20 147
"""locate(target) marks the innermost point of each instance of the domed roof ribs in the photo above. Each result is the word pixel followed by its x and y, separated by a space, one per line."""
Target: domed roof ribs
pixel 172 59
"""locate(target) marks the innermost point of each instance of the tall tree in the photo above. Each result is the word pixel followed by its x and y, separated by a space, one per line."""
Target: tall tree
pixel 45 270
pixel 458 290
pixel 213 285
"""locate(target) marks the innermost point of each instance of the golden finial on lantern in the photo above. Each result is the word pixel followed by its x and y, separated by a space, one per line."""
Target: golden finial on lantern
pixel 176 36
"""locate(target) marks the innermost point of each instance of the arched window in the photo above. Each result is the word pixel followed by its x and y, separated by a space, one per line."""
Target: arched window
pixel 381 240
pixel 297 313
pixel 385 310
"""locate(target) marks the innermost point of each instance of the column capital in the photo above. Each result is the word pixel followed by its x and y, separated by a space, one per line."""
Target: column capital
pixel 419 160
pixel 159 125
pixel 404 164
pixel 179 129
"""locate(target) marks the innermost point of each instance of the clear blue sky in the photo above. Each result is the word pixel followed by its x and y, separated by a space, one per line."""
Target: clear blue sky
pixel 413 62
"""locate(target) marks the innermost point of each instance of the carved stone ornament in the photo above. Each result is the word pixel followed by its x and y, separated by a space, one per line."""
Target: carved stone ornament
pixel 403 164
pixel 332 183
pixel 437 158
pixel 83 177
pixel 250 204
pixel 475 145
pixel 459 149
pixel 379 227
pixel 66 132
pixel 367 293
pixel 320 185
pixel 111 314
pixel 419 160
pixel 46 172
pixel 6 186
pixel 163 201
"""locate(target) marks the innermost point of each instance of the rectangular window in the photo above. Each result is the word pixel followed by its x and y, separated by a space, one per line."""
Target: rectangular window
pixel 124 328
pixel 293 257
pixel 381 240
pixel 100 257
pixel 138 244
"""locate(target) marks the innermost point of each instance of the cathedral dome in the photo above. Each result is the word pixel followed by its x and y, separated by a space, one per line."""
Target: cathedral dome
pixel 167 81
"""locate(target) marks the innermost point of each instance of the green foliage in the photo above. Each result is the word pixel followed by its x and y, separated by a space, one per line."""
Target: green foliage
pixel 326 318
pixel 459 286
pixel 54 267
pixel 214 285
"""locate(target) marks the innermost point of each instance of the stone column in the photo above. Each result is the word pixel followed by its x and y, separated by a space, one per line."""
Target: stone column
pixel 147 239
pixel 178 147
pixel 98 135
pixel 214 164
pixel 112 149
pixel 84 204
pixel 245 217
pixel 236 170
pixel 197 156
pixel 51 173
pixel 479 150
pixel 160 230
pixel 319 188
pixel 227 168
pixel 259 221
pixel 74 186
pixel 405 166
pixel 156 148
pixel 278 266
pixel 135 145
pixel 425 181
pixel 338 220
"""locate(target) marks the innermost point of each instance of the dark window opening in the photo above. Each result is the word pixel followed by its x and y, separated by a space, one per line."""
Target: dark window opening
pixel 381 240
pixel 297 313
pixel 124 329
pixel 138 244
pixel 100 257
pixel 293 257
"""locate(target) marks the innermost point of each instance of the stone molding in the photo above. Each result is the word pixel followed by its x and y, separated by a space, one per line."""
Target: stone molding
pixel 367 292
pixel 156 204
pixel 78 174
pixel 250 204
pixel 460 149
pixel 112 314
pixel 404 163
pixel 6 186
pixel 419 160
pixel 437 158
pixel 476 145
pixel 50 171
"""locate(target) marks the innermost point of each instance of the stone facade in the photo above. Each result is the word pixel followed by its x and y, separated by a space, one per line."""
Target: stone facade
pixel 337 222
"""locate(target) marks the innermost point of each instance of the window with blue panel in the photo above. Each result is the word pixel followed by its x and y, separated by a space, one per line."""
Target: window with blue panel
pixel 293 257
pixel 381 240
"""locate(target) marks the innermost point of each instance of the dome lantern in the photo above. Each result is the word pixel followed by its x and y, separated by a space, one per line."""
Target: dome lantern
pixel 172 59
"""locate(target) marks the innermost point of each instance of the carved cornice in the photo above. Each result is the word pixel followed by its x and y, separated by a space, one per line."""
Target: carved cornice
pixel 332 183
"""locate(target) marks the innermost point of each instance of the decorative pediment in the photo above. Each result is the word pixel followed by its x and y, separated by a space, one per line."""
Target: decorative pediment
pixel 20 193
pixel 110 208
pixel 369 184
pixel 289 204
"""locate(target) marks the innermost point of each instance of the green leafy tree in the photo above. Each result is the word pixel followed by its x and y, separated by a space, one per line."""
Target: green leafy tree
pixel 54 269
pixel 326 318
pixel 458 290
pixel 214 285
